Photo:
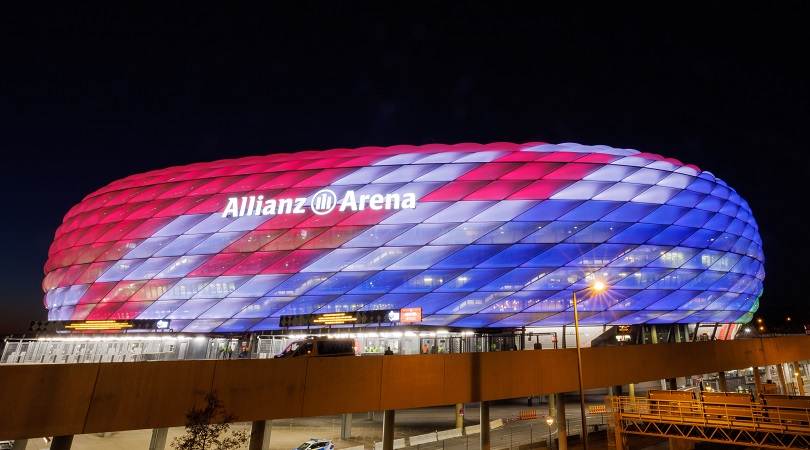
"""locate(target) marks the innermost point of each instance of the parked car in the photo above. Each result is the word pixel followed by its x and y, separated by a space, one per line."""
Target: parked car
pixel 316 444
pixel 6 445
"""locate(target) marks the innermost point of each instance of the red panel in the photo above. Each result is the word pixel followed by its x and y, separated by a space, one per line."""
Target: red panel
pixel 183 189
pixel 292 239
pixel 96 292
pixel 73 272
pixel 149 209
pixel 122 291
pixel 94 271
pixel 295 261
pixel 489 171
pixel 253 241
pixel 334 237
pixel 285 221
pixel 531 171
pixel 117 214
pixel 540 190
pixel 92 252
pixel 80 312
pixel 103 311
pixel 120 230
pixel 119 249
pixel 53 278
pixel 250 182
pixel 215 186
pixel 498 190
pixel 573 171
pixel 325 163
pixel 560 157
pixel 323 178
pixel 286 180
pixel 453 191
pixel 217 265
pixel 326 220
pixel 149 227
pixel 130 310
pixel 599 158
pixel 92 234
pixel 153 289
pixel 362 161
pixel 151 192
pixel 255 263
pixel 181 206
pixel 368 217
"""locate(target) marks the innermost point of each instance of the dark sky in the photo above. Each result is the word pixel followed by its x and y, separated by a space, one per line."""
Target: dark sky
pixel 93 93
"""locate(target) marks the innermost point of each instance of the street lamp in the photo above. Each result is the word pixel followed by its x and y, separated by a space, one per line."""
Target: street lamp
pixel 596 287
pixel 550 422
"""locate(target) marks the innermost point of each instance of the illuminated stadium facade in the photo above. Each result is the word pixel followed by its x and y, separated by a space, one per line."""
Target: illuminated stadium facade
pixel 483 237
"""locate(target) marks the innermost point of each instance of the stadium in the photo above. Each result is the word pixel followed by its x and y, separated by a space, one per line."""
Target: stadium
pixel 465 239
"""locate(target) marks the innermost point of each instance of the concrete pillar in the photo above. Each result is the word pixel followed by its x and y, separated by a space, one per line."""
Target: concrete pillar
pixel 782 385
pixel 460 415
pixel 62 442
pixel 654 334
pixel 562 425
pixel 632 388
pixel 346 426
pixel 388 430
pixel 551 404
pixel 159 436
pixel 260 434
pixel 20 444
pixel 757 381
pixel 484 420
pixel 799 381
pixel 723 383
pixel 370 415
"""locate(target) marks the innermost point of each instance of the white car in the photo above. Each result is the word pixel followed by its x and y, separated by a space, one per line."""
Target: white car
pixel 316 444
pixel 6 445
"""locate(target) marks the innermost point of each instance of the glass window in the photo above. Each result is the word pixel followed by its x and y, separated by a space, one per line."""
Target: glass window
pixel 181 245
pixel 264 307
pixel 180 225
pixel 182 266
pixel 472 255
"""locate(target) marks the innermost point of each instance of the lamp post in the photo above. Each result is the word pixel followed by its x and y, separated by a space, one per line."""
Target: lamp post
pixel 549 421
pixel 596 287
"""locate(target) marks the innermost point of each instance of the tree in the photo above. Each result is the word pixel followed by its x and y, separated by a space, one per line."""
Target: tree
pixel 205 426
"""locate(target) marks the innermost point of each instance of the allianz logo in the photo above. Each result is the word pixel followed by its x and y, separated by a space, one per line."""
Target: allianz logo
pixel 323 202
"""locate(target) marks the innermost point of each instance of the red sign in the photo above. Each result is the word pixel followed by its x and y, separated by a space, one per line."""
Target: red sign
pixel 410 315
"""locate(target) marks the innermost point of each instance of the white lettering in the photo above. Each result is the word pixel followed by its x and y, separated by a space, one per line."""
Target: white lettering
pixel 349 201
pixel 232 208
pixel 269 207
pixel 322 203
pixel 299 206
pixel 376 202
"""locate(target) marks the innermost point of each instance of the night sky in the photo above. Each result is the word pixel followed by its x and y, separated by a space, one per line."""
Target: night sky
pixel 93 93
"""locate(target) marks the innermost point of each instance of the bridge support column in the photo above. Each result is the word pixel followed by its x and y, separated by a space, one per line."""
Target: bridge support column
pixel 757 381
pixel 460 415
pixel 260 434
pixel 346 426
pixel 159 436
pixel 551 407
pixel 782 384
pixel 562 424
pixel 681 444
pixel 799 381
pixel 484 420
pixel 388 430
pixel 722 381
pixel 62 442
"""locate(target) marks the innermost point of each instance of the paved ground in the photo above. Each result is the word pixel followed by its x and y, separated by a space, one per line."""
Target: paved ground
pixel 366 430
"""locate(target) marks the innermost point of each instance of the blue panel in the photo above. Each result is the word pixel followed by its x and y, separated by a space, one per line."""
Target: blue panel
pixel 350 302
pixel 675 258
pixel 711 203
pixel 340 283
pixel 478 320
pixel 160 309
pixel 704 260
pixel 384 281
pixel 186 288
pixel 511 232
pixel 637 233
pixel 724 242
pixel 642 278
pixel 518 301
pixel 548 210
pixel 674 300
pixel 558 279
pixel 447 172
pixel 669 317
pixel 305 304
pixel 245 223
pixel 704 280
pixel 236 325
pixel 590 211
pixel 148 247
pixel 299 283
pixel 558 255
pixel 433 302
pixel 514 280
pixel 512 256
pixel 687 199
pixel 405 173
pixel 422 211
pixel 472 303
pixel 466 233
pixel 471 280
pixel 380 258
pixel 554 232
pixel 726 262
pixel 428 280
pixel 227 308
pixel 621 192
pixel 181 224
pixel 264 307
pixel 200 326
pixel 424 257
pixel 673 235
pixel 719 222
pixel 611 173
pixel 736 227
pixel 259 285
pixel 582 189
pixel 638 300
pixel 598 232
pixel 665 214
pixel 182 245
pixel 599 256
pixel 630 212
pixel 699 301
pixel 212 224
pixel 694 218
pixel 192 309
pixel 640 317
pixel 470 256
pixel 460 211
pixel 646 176
pixel 215 243
pixel 504 210
pixel 337 260
pixel 644 255
pixel 422 233
pixel 150 268
pixel 120 269
pixel 390 301
pixel 675 279
pixel 364 175
pixel 377 235
pixel 74 294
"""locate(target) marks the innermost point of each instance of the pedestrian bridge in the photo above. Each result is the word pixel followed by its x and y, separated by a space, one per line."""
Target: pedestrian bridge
pixel 70 399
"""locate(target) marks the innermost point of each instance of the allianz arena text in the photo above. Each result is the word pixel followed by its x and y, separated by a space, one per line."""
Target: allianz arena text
pixel 474 236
